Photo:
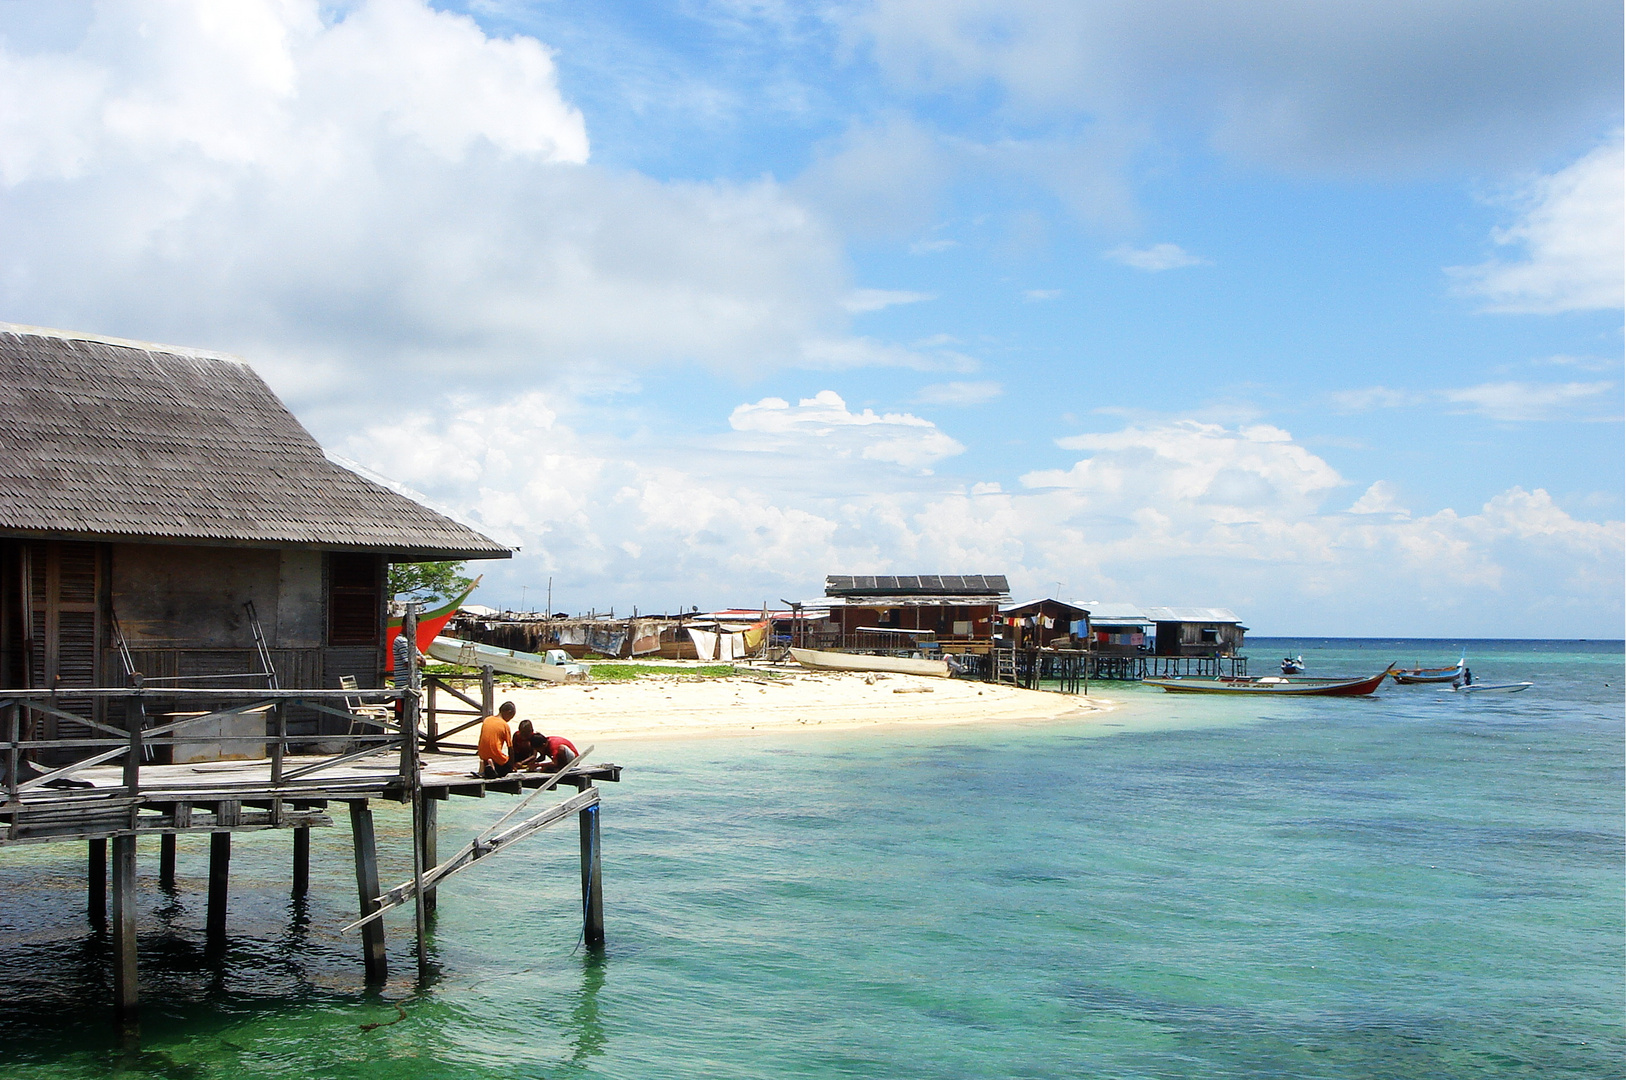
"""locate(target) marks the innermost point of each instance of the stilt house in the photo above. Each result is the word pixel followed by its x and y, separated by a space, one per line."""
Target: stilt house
pixel 162 513
pixel 1197 631
pixel 1049 624
pixel 957 611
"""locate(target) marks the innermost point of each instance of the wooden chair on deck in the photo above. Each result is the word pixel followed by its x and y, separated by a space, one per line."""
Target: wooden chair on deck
pixel 367 715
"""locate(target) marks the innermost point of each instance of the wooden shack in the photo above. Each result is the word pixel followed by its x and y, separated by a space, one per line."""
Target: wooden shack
pixel 1048 624
pixel 1197 631
pixel 162 513
pixel 1121 630
pixel 957 612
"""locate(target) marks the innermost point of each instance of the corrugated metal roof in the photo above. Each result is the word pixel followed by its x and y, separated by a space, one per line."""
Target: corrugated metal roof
pixel 109 438
pixel 1116 613
pixel 1191 614
pixel 1032 606
pixel 919 585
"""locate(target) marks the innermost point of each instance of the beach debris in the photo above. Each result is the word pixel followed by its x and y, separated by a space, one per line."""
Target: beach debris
pixel 913 689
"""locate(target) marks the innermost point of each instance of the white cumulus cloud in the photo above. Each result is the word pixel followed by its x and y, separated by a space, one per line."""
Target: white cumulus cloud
pixel 1568 247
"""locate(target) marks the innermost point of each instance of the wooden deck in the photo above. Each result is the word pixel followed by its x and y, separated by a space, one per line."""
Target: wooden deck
pixel 240 796
pixel 114 794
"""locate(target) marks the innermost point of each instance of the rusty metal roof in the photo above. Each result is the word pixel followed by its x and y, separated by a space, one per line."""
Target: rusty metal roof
pixel 104 438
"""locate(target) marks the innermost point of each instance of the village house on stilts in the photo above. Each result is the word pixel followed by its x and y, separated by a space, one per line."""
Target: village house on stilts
pixel 185 575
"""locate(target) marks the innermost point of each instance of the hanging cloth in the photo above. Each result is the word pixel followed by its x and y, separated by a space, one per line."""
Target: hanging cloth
pixel 705 643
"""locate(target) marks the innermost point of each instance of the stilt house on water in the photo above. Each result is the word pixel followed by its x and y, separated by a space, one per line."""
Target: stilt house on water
pixel 958 612
pixel 1196 631
pixel 181 563
pixel 1048 624
pixel 162 512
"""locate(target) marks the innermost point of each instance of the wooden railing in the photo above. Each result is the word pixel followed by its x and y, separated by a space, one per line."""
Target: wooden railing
pixel 133 743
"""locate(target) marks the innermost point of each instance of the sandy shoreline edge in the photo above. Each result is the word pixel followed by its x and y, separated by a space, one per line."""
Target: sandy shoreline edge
pixel 779 699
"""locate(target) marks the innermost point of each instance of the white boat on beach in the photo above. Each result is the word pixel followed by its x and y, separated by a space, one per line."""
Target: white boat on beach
pixel 822 660
pixel 509 661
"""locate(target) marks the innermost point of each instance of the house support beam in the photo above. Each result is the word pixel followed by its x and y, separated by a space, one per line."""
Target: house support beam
pixel 219 883
pixel 126 985
pixel 592 880
pixel 96 884
pixel 372 935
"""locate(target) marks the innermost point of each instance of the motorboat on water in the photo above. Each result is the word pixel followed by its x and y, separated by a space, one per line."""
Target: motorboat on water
pixel 826 660
pixel 1408 676
pixel 1487 688
pixel 1273 684
pixel 1293 665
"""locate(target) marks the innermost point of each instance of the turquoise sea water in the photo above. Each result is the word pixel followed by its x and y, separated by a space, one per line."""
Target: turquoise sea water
pixel 1413 885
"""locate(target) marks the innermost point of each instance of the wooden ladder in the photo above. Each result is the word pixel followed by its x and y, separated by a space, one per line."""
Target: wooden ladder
pixel 1005 666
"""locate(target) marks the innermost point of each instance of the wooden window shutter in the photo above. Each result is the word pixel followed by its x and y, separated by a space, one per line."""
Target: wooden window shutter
pixel 64 582
pixel 354 599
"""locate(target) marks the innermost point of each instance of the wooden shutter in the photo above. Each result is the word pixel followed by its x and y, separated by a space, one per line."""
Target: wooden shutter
pixel 354 599
pixel 64 623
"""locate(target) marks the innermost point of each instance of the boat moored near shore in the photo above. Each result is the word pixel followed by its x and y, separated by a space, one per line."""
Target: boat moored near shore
pixel 1274 684
pixel 825 660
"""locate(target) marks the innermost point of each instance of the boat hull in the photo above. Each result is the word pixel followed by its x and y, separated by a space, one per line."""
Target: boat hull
pixel 508 661
pixel 1273 685
pixel 820 660
pixel 1426 675
pixel 1488 688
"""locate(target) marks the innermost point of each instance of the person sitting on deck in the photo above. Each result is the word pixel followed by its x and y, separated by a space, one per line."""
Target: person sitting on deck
pixel 495 739
pixel 523 752
pixel 553 752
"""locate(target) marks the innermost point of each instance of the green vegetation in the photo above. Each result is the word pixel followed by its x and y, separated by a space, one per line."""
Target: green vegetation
pixel 623 672
pixel 427 582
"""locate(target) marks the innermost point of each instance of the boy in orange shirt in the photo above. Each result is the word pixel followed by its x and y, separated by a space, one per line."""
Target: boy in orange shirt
pixel 495 738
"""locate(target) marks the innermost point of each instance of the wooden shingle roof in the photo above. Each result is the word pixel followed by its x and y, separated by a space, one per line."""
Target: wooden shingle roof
pixel 110 439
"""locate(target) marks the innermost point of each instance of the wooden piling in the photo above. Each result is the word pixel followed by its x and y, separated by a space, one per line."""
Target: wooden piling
pixel 430 818
pixel 372 935
pixel 302 861
pixel 96 885
pixel 126 984
pixel 488 690
pixel 166 861
pixel 219 882
pixel 592 892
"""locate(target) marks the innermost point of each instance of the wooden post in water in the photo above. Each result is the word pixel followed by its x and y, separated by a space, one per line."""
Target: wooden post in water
pixel 592 893
pixel 126 983
pixel 166 861
pixel 414 786
pixel 219 880
pixel 302 861
pixel 431 843
pixel 96 885
pixel 372 935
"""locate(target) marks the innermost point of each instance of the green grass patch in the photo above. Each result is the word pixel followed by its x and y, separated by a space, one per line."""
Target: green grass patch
pixel 623 672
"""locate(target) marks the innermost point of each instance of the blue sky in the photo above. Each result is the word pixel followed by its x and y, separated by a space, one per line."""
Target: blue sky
pixel 1312 310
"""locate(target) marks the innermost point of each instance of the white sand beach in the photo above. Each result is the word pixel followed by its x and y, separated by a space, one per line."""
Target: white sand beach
pixel 778 699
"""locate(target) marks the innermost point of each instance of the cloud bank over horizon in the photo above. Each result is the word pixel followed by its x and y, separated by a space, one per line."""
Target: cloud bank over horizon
pixel 953 322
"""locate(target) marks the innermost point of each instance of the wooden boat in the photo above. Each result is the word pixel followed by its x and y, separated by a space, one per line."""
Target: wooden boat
pixel 430 624
pixel 1273 684
pixel 509 661
pixel 823 660
pixel 1486 688
pixel 1429 674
